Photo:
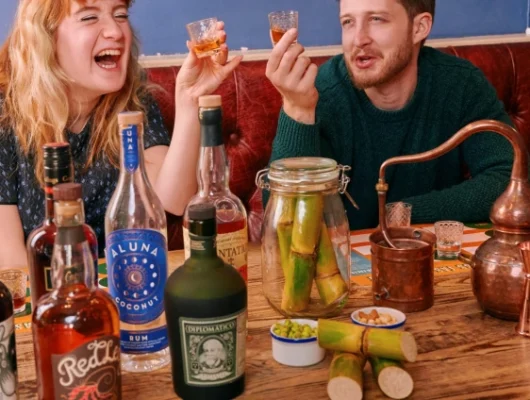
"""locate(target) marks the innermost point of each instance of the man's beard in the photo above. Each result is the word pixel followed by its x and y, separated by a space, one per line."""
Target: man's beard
pixel 394 64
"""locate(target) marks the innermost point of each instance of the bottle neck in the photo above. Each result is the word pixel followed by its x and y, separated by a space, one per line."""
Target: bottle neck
pixel 202 246
pixel 212 172
pixel 72 260
pixel 202 237
pixel 53 176
pixel 132 151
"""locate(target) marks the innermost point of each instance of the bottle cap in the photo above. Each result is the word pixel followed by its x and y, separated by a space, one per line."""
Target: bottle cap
pixel 56 154
pixel 131 118
pixel 201 212
pixel 67 191
pixel 210 101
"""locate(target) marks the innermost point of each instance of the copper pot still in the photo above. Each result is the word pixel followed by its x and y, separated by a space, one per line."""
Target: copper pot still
pixel 497 273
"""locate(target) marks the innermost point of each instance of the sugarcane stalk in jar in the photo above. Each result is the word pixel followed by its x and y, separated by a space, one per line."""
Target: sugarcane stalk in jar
pixel 330 284
pixel 300 273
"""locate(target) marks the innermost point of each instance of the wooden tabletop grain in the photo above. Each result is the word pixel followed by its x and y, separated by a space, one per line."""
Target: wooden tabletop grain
pixel 464 354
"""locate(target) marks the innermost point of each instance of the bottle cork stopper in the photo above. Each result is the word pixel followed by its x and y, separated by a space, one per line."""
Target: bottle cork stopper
pixel 67 192
pixel 210 101
pixel 56 146
pixel 131 118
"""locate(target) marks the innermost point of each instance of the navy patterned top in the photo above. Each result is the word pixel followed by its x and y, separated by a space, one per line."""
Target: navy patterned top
pixel 18 184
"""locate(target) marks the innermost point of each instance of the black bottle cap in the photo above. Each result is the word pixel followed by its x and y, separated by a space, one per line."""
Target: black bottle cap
pixel 202 220
pixel 56 155
pixel 202 212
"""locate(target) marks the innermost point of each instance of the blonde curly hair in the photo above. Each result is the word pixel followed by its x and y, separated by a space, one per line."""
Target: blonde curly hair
pixel 34 87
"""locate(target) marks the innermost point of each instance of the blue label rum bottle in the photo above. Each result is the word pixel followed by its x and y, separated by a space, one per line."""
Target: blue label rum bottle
pixel 136 252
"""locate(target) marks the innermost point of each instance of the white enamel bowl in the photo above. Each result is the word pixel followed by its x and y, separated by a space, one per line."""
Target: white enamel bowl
pixel 297 352
pixel 396 314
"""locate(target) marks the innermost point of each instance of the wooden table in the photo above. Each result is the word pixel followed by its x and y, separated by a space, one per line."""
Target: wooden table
pixel 464 354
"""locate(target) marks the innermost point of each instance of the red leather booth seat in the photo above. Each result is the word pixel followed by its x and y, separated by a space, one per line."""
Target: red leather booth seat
pixel 251 106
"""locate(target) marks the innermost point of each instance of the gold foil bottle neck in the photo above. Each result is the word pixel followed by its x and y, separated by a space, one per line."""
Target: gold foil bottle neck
pixel 131 118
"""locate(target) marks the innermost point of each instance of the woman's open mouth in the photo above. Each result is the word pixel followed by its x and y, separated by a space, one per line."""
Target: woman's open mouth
pixel 108 59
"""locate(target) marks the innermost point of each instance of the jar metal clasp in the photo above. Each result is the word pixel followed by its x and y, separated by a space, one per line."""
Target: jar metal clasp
pixel 260 179
pixel 343 183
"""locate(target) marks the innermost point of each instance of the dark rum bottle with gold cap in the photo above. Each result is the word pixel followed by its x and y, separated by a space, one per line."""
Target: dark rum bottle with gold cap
pixel 212 176
pixel 206 308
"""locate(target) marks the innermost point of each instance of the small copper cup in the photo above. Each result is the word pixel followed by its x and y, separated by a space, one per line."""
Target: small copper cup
pixel 403 277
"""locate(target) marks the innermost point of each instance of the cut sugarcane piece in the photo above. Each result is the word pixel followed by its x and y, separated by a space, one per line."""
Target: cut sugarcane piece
pixel 346 376
pixel 390 343
pixel 392 378
pixel 286 204
pixel 330 284
pixel 300 272
pixel 379 342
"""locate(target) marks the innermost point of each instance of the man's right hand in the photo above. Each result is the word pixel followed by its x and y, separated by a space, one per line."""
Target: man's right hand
pixel 294 76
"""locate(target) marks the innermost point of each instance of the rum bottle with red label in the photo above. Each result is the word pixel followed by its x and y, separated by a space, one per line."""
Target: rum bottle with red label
pixel 212 176
pixel 76 327
pixel 58 168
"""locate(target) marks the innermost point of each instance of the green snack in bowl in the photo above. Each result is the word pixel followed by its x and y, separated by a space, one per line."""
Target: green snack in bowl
pixel 294 330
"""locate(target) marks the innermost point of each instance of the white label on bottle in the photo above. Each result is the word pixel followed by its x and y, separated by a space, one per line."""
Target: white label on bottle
pixel 213 349
pixel 89 371
pixel 232 247
pixel 8 361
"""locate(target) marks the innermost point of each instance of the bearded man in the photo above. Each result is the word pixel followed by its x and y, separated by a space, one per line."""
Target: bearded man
pixel 389 95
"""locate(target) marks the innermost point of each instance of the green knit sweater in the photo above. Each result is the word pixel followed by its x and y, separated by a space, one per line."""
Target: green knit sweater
pixel 450 93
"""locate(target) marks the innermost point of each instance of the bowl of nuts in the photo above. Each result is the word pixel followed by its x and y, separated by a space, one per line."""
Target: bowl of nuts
pixel 379 317
pixel 294 342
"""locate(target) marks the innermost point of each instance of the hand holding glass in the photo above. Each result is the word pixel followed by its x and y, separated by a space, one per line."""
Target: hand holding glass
pixel 448 238
pixel 280 22
pixel 16 281
pixel 204 37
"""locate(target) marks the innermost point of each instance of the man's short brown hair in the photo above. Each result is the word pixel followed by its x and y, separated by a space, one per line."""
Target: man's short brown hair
pixel 415 7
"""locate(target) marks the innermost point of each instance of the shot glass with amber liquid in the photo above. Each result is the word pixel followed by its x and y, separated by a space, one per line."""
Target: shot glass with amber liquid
pixel 280 22
pixel 16 281
pixel 204 37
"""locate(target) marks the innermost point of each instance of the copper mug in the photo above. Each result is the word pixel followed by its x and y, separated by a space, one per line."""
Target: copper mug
pixel 403 277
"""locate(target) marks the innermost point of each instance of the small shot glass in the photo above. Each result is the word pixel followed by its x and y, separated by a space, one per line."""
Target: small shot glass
pixel 280 22
pixel 204 37
pixel 16 281
pixel 398 214
pixel 448 238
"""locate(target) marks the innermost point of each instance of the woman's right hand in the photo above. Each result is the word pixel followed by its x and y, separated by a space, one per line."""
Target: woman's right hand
pixel 294 76
pixel 202 76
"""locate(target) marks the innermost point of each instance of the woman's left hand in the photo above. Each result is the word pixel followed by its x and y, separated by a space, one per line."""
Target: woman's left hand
pixel 202 76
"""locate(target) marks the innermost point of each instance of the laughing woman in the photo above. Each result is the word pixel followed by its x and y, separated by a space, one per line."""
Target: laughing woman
pixel 66 70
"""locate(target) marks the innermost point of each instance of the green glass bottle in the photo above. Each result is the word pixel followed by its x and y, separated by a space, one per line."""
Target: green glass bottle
pixel 206 308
